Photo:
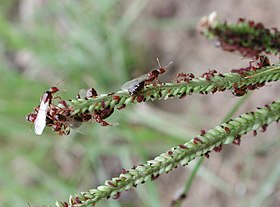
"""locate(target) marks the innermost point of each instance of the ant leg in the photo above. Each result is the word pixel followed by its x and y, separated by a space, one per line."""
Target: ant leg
pixel 99 120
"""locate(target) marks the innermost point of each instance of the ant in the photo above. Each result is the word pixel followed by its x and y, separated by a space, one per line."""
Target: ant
pixel 100 115
pixel 91 93
pixel 185 77
pixel 208 75
pixel 85 94
pixel 136 85
pixel 46 114
pixel 236 91
pixel 40 121
pixel 73 122
pixel 32 116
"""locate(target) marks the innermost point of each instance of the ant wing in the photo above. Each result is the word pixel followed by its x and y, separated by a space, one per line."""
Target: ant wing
pixel 80 127
pixel 86 128
pixel 134 82
pixel 114 124
pixel 73 123
pixel 90 93
pixel 82 93
pixel 40 121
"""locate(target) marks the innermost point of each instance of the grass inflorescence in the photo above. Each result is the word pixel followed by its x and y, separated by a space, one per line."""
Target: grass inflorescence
pixel 247 37
pixel 201 145
pixel 98 108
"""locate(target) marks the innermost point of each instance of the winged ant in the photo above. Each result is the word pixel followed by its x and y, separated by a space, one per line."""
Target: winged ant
pixel 136 85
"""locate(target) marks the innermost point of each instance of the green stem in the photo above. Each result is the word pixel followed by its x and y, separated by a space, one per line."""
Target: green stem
pixel 189 182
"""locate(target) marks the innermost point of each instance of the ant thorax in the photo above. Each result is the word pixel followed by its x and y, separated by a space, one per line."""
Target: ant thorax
pixel 153 75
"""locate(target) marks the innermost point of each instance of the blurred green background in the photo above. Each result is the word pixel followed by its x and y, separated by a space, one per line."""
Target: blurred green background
pixel 103 44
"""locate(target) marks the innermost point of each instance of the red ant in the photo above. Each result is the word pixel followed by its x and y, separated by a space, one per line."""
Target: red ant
pixel 46 99
pixel 51 115
pixel 185 77
pixel 60 128
pixel 239 91
pixel 208 75
pixel 73 122
pixel 90 93
pixel 261 61
pixel 55 118
pixel 59 116
pixel 32 116
pixel 136 85
pixel 100 115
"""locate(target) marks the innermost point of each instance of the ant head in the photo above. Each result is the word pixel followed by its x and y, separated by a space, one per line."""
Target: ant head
pixel 162 69
pixel 62 104
pixel 54 89
pixel 31 117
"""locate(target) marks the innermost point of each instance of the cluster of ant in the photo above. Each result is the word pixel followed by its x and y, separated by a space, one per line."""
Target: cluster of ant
pixel 184 77
pixel 257 63
pixel 249 45
pixel 260 62
pixel 58 116
pixel 187 77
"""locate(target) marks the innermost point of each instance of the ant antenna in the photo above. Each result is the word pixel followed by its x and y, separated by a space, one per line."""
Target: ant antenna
pixel 171 62
pixel 58 83
pixel 168 64
pixel 158 63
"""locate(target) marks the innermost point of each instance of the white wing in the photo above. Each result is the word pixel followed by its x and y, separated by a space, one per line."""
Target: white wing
pixel 40 121
pixel 82 93
pixel 134 82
